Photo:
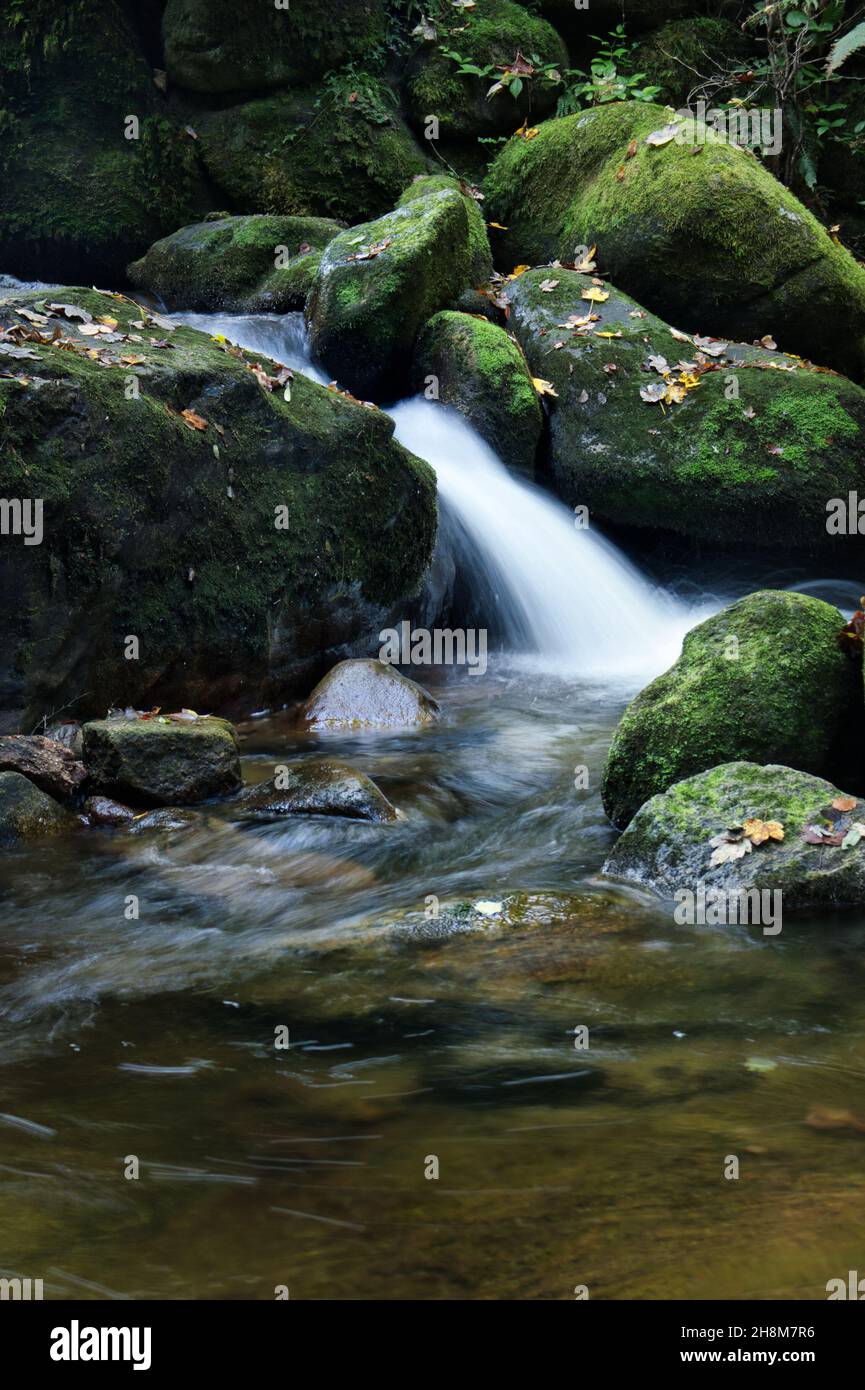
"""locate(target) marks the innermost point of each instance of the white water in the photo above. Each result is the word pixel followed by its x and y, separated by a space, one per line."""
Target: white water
pixel 566 596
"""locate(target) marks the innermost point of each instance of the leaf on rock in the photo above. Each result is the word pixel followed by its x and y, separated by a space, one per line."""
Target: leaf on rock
pixel 597 296
pixel 70 311
pixel 544 388
pixel 758 831
pixel 548 286
pixel 193 421
pixel 631 150
pixel 587 264
pixel 653 393
pixel 710 346
pixel 730 850
pixel 844 803
pixel 853 836
pixel 851 636
pixel 659 363
pixel 663 136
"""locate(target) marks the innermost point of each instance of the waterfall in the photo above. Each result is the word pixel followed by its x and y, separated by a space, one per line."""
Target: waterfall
pixel 565 596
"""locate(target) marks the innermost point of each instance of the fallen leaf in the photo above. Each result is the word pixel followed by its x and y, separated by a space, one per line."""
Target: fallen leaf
pixel 543 388
pixel 845 803
pixel 587 264
pixel 620 173
pixel 548 286
pixel 730 850
pixel 663 136
pixel 595 295
pixel 653 393
pixel 194 421
pixel 631 150
pixel 659 363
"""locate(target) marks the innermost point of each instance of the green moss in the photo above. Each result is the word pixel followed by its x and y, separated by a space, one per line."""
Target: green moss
pixel 479 246
pixel 490 33
pixel 283 154
pixel 482 373
pixel 751 456
pixel 169 533
pixel 230 264
pixel 685 51
pixel 764 680
pixel 711 239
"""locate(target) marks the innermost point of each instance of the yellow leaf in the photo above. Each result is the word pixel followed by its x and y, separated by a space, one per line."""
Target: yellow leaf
pixel 543 388
pixel 596 296
pixel 518 270
pixel 498 226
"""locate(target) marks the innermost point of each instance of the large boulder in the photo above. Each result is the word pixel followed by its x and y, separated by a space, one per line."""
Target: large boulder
pixel 237 265
pixel 45 762
pixel 667 845
pixel 226 46
pixel 92 167
pixel 157 761
pixel 368 694
pixel 751 454
pixel 763 680
pixel 481 372
pixel 297 154
pixel 378 284
pixel 695 227
pixel 489 34
pixel 315 787
pixel 232 542
pixel 26 813
pixel 480 256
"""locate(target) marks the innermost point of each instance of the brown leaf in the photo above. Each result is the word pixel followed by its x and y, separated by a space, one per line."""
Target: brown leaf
pixel 194 421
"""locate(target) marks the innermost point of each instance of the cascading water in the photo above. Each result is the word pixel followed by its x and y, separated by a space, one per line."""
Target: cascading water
pixel 564 595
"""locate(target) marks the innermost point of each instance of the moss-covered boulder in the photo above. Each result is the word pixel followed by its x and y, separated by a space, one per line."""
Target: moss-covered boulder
pixel 242 265
pixel 233 542
pixel 763 680
pixel 26 813
pixel 226 46
pixel 752 453
pixel 368 694
pixel 490 34
pixel 92 168
pixel 315 787
pixel 307 153
pixel 684 53
pixel 378 284
pixel 667 846
pixel 158 761
pixel 481 372
pixel 480 256
pixel 695 227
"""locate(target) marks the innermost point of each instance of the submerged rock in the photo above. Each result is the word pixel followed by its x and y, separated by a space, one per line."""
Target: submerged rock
pixel 26 813
pixel 751 453
pixel 764 679
pixel 195 498
pixel 368 694
pixel 43 761
pixel 491 33
pixel 220 46
pixel 666 846
pixel 166 818
pixel 711 241
pixel 153 762
pixel 481 371
pixel 378 284
pixel 84 190
pixel 292 153
pixel 316 788
pixel 240 265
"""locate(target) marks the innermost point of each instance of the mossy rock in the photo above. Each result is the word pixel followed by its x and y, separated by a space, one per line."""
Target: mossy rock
pixel 482 373
pixel 79 198
pixel 763 680
pixel 752 455
pixel 491 33
pixel 480 255
pixel 159 762
pixel 710 240
pixel 309 154
pixel 683 53
pixel 240 265
pixel 378 283
pixel 26 813
pixel 316 787
pixel 666 846
pixel 226 46
pixel 238 554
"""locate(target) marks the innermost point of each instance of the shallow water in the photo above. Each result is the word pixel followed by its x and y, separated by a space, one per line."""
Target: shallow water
pixel 414 1037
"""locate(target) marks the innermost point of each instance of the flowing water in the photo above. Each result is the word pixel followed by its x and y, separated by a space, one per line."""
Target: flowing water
pixel 414 1037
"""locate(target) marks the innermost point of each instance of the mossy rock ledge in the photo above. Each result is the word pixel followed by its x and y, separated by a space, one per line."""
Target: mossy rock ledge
pixel 379 282
pixel 763 680
pixel 666 846
pixel 751 456
pixel 159 762
pixel 710 239
pixel 246 545
pixel 237 265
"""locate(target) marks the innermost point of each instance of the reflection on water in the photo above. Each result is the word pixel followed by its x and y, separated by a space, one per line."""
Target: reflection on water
pixel 261 1166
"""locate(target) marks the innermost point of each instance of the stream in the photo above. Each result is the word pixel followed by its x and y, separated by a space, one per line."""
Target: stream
pixel 414 1036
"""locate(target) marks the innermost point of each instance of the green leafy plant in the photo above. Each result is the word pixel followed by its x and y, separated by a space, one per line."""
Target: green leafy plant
pixel 610 76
